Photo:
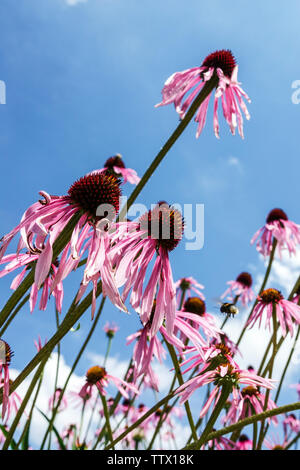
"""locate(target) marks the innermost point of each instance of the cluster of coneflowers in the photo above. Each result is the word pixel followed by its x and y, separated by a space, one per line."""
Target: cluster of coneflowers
pixel 129 262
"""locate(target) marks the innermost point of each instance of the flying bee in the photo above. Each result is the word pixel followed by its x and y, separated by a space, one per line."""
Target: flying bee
pixel 229 309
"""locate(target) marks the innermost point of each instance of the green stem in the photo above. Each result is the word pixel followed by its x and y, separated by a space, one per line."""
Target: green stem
pixel 245 422
pixel 107 351
pixel 107 421
pixel 262 428
pixel 162 417
pixel 55 410
pixel 287 365
pixel 23 404
pixel 206 90
pixel 140 420
pixel 28 422
pixel 58 246
pixel 226 390
pixel 180 381
pixel 12 316
pixel 70 319
pixel 261 288
pixel 290 444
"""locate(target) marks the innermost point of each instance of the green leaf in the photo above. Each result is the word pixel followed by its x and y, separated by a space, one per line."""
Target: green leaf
pixel 13 443
pixel 77 328
pixel 25 440
pixel 60 441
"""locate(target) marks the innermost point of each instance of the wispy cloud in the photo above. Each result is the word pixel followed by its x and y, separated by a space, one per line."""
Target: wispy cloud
pixel 74 2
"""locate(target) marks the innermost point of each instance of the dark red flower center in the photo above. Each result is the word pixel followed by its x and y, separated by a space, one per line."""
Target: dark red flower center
pixel 194 305
pixel 116 160
pixel 5 353
pixel 222 59
pixel 94 190
pixel 276 214
pixel 271 295
pixel 223 348
pixel 184 284
pixel 163 224
pixel 243 438
pixel 245 279
pixel 250 391
pixel 94 374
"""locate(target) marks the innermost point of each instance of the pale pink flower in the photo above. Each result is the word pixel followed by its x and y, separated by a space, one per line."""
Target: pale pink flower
pixel 115 165
pixel 38 344
pixel 226 341
pixel 13 402
pixel 250 401
pixel 144 350
pixel 53 401
pixel 221 64
pixel 97 376
pixel 157 233
pixel 286 312
pixel 240 288
pixel 110 329
pixel 222 374
pixel 291 422
pixel 25 260
pixel 219 353
pixel 279 227
pixel 275 442
pixel 296 297
pixel 186 285
pixel 220 443
pixel 192 319
pixel 5 359
pixel 44 221
pixel 244 443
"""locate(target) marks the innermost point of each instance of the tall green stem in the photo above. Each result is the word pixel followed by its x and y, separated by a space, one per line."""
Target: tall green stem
pixel 206 90
pixel 261 288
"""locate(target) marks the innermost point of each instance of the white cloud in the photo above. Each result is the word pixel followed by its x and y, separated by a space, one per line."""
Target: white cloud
pixel 74 2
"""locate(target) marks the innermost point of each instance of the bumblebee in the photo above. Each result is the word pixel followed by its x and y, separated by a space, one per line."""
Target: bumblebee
pixel 229 309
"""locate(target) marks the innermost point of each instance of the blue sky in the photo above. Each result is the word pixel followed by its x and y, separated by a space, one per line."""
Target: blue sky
pixel 82 80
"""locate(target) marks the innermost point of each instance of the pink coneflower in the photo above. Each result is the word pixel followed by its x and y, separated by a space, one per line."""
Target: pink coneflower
pixel 157 233
pixel 216 354
pixel 244 443
pixel 116 166
pixel 291 422
pixel 13 403
pixel 98 376
pixel 53 401
pixel 144 351
pixel 194 317
pixel 221 375
pixel 278 227
pixel 296 297
pixel 286 312
pixel 25 260
pixel 186 285
pixel 38 344
pixel 110 329
pixel 222 65
pixel 249 402
pixel 5 359
pixel 275 443
pixel 226 341
pixel 220 443
pixel 240 288
pixel 44 221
